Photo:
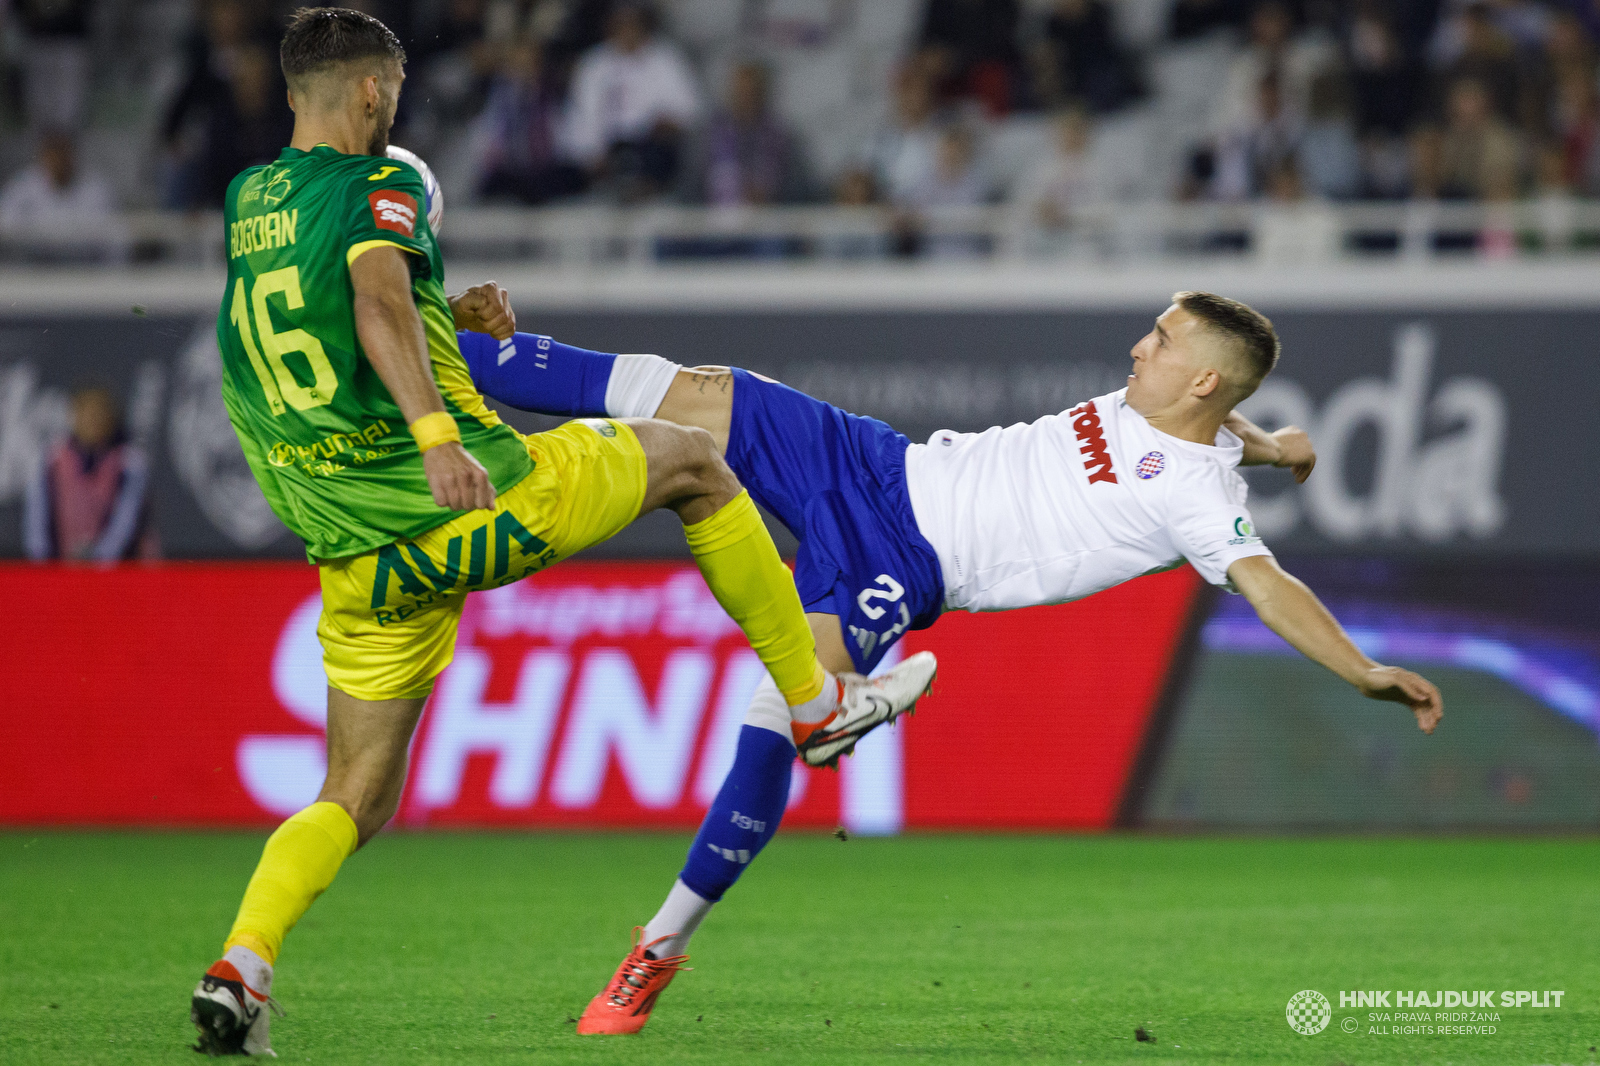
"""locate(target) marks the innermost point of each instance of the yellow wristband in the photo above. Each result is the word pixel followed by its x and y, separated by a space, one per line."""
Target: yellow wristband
pixel 434 430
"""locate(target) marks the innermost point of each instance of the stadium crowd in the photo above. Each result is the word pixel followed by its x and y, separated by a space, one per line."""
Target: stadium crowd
pixel 1054 106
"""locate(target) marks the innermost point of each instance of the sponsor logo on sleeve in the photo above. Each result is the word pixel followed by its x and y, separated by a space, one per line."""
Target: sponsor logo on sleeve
pixel 1092 443
pixel 393 210
pixel 1244 532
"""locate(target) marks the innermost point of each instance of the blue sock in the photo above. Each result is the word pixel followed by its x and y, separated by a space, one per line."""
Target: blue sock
pixel 536 373
pixel 745 814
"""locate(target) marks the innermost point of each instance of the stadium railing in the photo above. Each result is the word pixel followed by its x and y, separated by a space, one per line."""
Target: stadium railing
pixel 661 236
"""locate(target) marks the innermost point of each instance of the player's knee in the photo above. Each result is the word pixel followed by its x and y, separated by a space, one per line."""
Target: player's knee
pixel 702 467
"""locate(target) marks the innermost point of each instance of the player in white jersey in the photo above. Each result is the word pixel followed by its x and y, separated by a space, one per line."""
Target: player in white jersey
pixel 892 533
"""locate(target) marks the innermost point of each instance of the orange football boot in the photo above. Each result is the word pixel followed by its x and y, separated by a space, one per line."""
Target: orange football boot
pixel 624 1005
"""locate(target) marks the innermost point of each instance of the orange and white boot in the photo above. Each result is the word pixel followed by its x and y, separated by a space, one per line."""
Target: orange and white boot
pixel 865 703
pixel 231 1017
pixel 624 1005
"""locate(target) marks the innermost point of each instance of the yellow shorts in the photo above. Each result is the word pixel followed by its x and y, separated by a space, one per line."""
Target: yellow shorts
pixel 389 617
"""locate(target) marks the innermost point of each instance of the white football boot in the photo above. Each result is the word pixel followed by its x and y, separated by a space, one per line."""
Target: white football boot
pixel 865 704
pixel 231 1017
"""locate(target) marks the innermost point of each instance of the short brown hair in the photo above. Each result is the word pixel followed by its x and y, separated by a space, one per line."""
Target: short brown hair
pixel 1250 331
pixel 322 37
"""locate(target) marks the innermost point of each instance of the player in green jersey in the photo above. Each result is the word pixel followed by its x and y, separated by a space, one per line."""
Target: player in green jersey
pixel 343 379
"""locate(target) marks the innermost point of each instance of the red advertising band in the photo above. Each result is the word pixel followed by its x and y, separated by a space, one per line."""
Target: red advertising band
pixel 550 716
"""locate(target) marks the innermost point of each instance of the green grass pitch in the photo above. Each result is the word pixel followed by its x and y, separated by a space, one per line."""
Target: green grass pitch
pixel 480 948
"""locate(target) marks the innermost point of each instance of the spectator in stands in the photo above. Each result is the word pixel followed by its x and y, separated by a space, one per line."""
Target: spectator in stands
pixel 1292 226
pixel 520 128
pixel 1471 46
pixel 57 211
pixel 89 499
pixel 1197 18
pixel 958 177
pixel 1565 51
pixel 1058 187
pixel 632 99
pixel 1522 22
pixel 1578 128
pixel 1568 49
pixel 746 155
pixel 1077 57
pixel 580 25
pixel 903 155
pixel 971 45
pixel 1329 155
pixel 452 59
pixel 1385 81
pixel 1386 84
pixel 55 61
pixel 1274 49
pixel 1251 150
pixel 232 111
pixel 1477 155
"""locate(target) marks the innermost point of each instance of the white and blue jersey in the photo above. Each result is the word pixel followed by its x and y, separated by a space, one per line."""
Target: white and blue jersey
pixel 893 533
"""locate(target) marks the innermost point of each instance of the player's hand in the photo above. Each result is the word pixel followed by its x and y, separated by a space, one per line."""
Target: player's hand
pixel 1402 686
pixel 1295 452
pixel 458 481
pixel 487 309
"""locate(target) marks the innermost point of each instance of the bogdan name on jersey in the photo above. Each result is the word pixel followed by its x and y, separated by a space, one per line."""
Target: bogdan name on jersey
pixel 262 232
pixel 1097 458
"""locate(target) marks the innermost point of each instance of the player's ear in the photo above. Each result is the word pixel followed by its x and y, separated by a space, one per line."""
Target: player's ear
pixel 1207 382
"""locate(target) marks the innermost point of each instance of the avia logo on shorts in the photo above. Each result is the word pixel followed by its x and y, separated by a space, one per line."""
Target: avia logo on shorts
pixel 394 211
pixel 1092 443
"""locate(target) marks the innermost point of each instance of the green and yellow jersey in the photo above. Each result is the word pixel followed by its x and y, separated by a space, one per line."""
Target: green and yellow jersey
pixel 325 439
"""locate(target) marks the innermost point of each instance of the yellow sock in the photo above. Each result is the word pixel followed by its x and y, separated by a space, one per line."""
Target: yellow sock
pixel 298 863
pixel 740 563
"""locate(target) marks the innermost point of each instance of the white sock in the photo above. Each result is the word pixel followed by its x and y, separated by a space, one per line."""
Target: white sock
pixel 638 384
pixel 677 920
pixel 818 707
pixel 768 710
pixel 256 971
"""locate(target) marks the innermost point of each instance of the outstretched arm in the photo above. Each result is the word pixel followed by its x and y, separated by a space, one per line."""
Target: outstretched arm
pixel 392 336
pixel 1288 447
pixel 1293 611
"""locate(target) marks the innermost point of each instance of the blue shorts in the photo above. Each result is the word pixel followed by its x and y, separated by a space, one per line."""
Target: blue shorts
pixel 838 481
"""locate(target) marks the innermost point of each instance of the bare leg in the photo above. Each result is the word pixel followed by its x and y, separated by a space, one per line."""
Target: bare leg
pixel 831 650
pixel 701 396
pixel 686 470
pixel 367 747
